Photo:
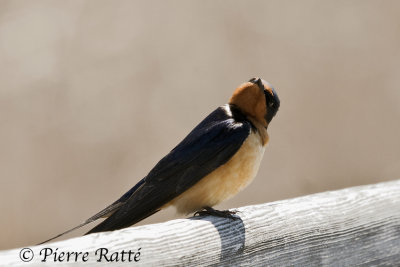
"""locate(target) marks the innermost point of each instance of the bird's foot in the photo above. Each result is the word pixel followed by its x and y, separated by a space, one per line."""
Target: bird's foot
pixel 217 213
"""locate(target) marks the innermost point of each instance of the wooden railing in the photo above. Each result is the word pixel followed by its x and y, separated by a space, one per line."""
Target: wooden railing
pixel 349 227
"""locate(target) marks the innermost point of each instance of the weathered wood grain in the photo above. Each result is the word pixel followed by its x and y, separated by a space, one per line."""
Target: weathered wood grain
pixel 358 226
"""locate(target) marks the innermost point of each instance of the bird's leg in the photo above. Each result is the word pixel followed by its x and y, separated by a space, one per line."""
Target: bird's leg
pixel 213 212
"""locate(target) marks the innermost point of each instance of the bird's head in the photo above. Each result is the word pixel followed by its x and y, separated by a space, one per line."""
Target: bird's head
pixel 256 99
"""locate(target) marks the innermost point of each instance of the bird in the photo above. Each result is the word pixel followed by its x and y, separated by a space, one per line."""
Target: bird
pixel 215 161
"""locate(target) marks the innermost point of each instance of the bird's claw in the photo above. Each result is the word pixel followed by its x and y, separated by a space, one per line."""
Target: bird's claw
pixel 218 213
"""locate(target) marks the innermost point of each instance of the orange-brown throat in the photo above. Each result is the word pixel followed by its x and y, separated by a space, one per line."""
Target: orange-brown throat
pixel 250 99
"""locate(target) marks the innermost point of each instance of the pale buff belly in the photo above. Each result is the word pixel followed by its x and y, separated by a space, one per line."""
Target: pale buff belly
pixel 225 181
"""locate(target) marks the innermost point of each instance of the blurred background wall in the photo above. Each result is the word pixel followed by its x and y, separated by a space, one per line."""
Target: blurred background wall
pixel 94 93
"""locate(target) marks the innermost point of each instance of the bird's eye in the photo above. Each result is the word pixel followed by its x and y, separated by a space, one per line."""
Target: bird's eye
pixel 270 104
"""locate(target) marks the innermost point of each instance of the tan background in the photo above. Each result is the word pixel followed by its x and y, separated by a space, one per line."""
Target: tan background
pixel 94 93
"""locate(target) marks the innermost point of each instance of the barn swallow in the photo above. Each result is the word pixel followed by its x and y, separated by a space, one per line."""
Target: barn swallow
pixel 216 160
